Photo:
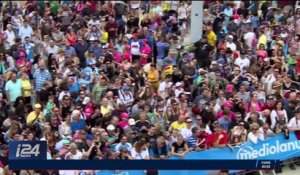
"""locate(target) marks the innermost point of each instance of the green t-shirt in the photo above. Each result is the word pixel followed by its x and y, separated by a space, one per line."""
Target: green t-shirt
pixel 54 6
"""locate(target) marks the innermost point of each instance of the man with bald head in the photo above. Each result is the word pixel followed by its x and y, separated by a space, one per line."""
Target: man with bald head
pixel 291 97
pixel 265 114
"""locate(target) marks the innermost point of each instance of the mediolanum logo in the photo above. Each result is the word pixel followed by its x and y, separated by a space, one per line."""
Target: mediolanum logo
pixel 248 152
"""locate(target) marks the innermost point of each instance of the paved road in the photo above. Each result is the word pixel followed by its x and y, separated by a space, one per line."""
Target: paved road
pixel 287 171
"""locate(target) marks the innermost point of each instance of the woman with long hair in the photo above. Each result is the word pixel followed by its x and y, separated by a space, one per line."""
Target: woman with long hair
pixel 254 102
pixel 125 154
pixel 71 37
pixel 65 128
pixel 278 114
pixel 140 150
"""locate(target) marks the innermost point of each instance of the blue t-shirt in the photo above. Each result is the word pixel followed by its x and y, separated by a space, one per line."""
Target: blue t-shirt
pixel 224 124
pixel 77 125
pixel 151 152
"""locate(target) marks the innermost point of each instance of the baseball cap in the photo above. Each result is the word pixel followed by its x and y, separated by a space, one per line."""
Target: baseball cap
pixel 188 120
pixel 242 52
pixel 86 100
pixel 22 54
pixel 126 88
pixel 230 36
pixel 124 115
pixel 131 121
pixel 37 106
pixel 226 104
pixel 110 127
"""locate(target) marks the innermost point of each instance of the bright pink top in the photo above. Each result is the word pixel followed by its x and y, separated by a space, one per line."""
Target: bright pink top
pixel 258 106
pixel 261 53
pixel 117 56
pixel 123 124
pixel 145 50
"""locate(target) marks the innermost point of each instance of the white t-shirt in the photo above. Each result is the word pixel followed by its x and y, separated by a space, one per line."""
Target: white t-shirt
pixel 293 123
pixel 185 132
pixel 135 4
pixel 139 156
pixel 178 92
pixel 53 49
pixel 182 13
pixel 232 46
pixel 248 37
pixel 274 115
pixel 135 48
pixel 77 156
pixel 25 31
pixel 242 62
pixel 162 89
pixel 62 94
pixel 255 138
pixel 10 37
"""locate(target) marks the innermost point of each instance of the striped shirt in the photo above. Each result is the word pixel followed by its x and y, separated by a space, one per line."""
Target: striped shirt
pixel 192 141
pixel 40 78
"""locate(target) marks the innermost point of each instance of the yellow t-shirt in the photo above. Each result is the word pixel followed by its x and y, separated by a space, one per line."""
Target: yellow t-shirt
pixel 178 126
pixel 212 38
pixel 153 75
pixel 26 86
pixel 105 110
pixel 104 38
pixel 262 40
pixel 32 116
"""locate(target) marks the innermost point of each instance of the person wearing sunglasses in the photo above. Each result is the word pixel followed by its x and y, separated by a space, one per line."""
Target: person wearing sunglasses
pixel 255 134
pixel 265 129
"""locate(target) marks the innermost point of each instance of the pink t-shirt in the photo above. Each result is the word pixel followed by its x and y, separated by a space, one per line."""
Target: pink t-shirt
pixel 117 56
pixel 262 53
pixel 147 51
pixel 123 124
pixel 258 106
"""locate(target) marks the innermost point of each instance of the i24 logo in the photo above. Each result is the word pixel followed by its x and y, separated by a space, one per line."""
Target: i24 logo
pixel 26 150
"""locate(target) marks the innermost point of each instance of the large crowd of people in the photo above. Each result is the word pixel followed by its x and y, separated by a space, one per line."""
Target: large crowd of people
pixel 113 79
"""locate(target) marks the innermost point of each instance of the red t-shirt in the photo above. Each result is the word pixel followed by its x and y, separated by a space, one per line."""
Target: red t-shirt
pixel 203 135
pixel 212 138
pixel 298 65
pixel 266 106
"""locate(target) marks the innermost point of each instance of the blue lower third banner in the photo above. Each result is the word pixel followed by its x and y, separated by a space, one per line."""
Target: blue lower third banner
pixel 272 149
pixel 143 164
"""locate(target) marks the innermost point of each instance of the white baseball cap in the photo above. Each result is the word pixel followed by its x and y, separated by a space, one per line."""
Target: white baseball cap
pixel 111 127
pixel 131 121
pixel 86 100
